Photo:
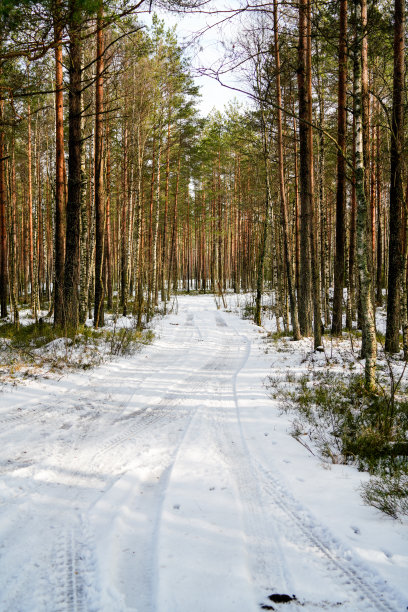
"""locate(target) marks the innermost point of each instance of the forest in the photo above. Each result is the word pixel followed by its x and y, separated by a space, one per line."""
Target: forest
pixel 118 197
pixel 112 184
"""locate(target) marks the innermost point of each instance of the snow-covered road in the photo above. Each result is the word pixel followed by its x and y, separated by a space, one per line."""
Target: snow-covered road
pixel 167 482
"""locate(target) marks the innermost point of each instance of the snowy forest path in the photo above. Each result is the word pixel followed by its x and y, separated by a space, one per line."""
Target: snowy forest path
pixel 153 485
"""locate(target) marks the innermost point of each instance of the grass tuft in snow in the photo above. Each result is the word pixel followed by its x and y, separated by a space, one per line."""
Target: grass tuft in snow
pixel 388 492
pixel 343 423
pixel 34 349
pixel 125 341
pixel 33 335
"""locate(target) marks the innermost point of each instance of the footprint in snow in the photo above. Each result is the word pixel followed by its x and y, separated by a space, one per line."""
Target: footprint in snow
pixel 355 529
pixel 387 553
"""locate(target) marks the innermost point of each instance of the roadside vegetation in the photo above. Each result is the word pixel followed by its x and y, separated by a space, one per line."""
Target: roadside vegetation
pixel 41 349
pixel 337 419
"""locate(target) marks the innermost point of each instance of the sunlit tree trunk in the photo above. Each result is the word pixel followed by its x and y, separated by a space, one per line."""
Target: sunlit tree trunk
pixel 108 239
pixel 351 289
pixel 3 226
pixel 260 269
pixel 13 237
pixel 124 245
pixel 31 224
pixel 284 210
pixel 363 245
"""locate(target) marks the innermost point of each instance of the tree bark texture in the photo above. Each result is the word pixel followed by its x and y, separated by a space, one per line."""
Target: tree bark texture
pixel 363 245
pixel 305 285
pixel 59 239
pixel 341 176
pixel 395 261
pixel 99 183
pixel 284 211
pixel 3 227
pixel 75 179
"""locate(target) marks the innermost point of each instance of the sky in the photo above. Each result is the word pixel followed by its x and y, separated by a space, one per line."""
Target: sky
pixel 207 52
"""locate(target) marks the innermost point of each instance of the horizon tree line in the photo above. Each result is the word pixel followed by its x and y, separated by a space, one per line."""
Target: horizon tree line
pixel 116 193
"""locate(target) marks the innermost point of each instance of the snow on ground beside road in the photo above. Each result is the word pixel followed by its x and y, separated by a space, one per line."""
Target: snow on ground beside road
pixel 168 481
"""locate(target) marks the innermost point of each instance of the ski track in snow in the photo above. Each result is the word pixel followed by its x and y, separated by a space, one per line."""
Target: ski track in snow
pixel 141 487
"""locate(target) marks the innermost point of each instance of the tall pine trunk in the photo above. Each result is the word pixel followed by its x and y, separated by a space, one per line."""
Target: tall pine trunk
pixel 313 224
pixel 341 176
pixel 363 245
pixel 305 285
pixel 395 261
pixel 99 195
pixel 3 226
pixel 284 209
pixel 13 237
pixel 71 276
pixel 59 236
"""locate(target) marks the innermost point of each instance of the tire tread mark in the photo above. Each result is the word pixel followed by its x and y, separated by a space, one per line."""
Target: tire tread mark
pixel 346 569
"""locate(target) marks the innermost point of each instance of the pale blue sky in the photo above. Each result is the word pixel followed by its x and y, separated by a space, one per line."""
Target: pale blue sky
pixel 207 52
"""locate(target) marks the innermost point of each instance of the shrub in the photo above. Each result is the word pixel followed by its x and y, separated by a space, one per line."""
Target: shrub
pixel 248 311
pixel 33 335
pixel 125 341
pixel 347 424
pixel 388 492
pixel 42 345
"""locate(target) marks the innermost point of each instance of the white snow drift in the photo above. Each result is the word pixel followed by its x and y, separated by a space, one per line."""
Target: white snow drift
pixel 167 482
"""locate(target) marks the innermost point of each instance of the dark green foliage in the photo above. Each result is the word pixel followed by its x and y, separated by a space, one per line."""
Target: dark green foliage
pixel 125 341
pixel 388 492
pixel 348 424
pixel 82 348
pixel 11 12
pixel 34 335
pixel 248 311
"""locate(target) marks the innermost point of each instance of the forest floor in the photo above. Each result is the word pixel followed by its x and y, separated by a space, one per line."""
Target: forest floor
pixel 168 481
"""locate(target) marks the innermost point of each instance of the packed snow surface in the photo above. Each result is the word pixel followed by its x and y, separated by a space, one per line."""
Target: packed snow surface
pixel 168 481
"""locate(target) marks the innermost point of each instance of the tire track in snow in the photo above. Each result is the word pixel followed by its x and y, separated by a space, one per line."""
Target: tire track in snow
pixel 259 491
pixel 71 546
pixel 154 413
pixel 204 507
pixel 71 564
pixel 143 420
pixel 263 549
pixel 193 385
pixel 366 590
pixel 74 576
pixel 27 412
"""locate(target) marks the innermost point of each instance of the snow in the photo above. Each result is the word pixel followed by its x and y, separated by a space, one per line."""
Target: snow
pixel 167 481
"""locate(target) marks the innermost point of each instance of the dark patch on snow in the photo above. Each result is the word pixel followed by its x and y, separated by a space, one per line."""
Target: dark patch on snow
pixel 281 598
pixel 266 607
